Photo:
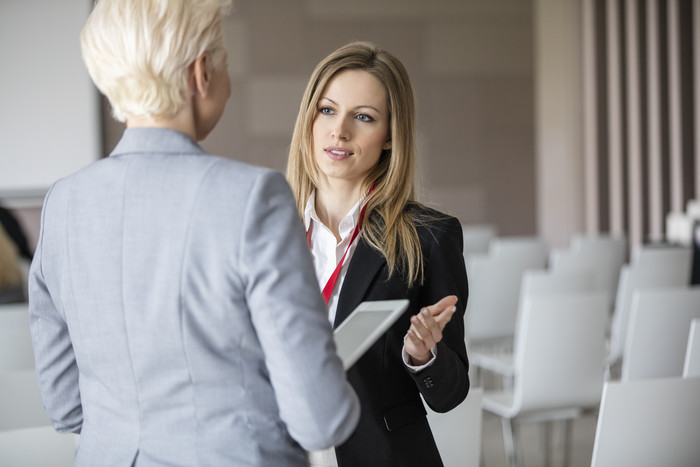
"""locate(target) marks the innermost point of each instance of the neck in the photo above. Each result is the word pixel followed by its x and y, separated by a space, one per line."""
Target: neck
pixel 183 121
pixel 334 202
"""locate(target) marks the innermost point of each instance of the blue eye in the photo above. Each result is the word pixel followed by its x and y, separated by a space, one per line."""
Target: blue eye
pixel 326 110
pixel 365 118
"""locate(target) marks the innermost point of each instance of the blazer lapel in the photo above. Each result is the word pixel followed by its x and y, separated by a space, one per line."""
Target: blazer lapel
pixel 364 267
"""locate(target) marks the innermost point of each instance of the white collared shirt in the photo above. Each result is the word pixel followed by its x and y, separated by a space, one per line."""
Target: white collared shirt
pixel 327 253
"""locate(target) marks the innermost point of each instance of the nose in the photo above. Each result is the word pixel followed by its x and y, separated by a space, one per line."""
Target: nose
pixel 341 130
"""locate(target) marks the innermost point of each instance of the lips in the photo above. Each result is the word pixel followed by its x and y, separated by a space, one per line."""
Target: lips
pixel 338 154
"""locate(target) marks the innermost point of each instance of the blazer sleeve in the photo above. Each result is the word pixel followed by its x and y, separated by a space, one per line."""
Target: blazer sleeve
pixel 445 383
pixel 55 362
pixel 315 400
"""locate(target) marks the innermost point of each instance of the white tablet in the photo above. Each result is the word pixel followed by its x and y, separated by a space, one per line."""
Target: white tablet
pixel 364 326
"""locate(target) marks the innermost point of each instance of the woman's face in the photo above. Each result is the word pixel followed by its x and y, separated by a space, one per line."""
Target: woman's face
pixel 351 127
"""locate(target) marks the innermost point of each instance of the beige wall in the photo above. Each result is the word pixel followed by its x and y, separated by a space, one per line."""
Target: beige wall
pixel 471 63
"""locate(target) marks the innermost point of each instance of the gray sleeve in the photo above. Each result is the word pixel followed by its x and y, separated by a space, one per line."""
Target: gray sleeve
pixel 55 362
pixel 315 400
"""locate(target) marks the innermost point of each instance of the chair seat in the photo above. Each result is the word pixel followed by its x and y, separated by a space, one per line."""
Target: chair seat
pixel 499 363
pixel 502 403
pixel 499 403
pixel 37 447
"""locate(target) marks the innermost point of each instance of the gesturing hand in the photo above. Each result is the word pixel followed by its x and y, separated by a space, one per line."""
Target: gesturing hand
pixel 426 329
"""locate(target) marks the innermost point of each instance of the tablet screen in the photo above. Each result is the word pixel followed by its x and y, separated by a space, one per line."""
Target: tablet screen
pixel 364 326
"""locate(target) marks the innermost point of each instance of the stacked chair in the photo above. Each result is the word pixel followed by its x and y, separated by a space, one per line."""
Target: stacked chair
pixel 649 422
pixel 650 268
pixel 691 364
pixel 558 362
pixel 26 437
pixel 657 335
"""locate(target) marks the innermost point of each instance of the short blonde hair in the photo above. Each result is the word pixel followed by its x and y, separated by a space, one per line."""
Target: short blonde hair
pixel 138 51
pixel 390 226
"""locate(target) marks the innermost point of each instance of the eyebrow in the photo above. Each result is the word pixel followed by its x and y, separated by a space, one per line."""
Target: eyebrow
pixel 354 108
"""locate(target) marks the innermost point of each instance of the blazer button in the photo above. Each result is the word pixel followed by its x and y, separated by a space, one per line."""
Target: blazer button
pixel 428 381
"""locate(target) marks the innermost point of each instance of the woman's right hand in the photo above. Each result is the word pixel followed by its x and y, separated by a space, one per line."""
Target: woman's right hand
pixel 426 329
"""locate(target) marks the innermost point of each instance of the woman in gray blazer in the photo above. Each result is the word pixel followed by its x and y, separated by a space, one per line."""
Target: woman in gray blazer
pixel 173 305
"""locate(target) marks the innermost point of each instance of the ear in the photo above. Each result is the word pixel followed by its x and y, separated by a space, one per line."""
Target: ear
pixel 201 74
pixel 387 145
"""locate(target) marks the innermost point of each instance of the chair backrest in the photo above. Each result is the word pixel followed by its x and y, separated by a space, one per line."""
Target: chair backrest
pixel 633 278
pixel 648 423
pixel 457 433
pixel 612 249
pixel 476 238
pixel 14 316
pixel 560 351
pixel 691 366
pixel 657 335
pixel 16 351
pixel 533 250
pixel 616 245
pixel 37 447
pixel 537 283
pixel 494 288
pixel 20 402
pixel 603 266
pixel 655 256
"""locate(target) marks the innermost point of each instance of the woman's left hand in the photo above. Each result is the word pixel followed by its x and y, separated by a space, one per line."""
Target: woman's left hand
pixel 426 329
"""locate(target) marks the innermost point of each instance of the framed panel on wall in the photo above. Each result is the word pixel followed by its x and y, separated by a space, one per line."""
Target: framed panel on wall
pixel 50 114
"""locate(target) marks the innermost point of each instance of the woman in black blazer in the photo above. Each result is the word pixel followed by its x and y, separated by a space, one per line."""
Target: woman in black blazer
pixel 351 168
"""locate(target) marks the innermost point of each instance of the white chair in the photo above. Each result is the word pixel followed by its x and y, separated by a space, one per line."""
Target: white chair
pixel 14 316
pixel 559 358
pixel 20 402
pixel 691 366
pixel 458 432
pixel 612 249
pixel 648 423
pixel 657 336
pixel 494 286
pixel 663 255
pixel 476 238
pixel 534 250
pixel 26 437
pixel 16 351
pixel 603 256
pixel 37 447
pixel 633 278
pixel 534 284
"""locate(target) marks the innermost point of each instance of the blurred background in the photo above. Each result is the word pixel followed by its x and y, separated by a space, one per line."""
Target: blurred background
pixel 564 134
pixel 539 117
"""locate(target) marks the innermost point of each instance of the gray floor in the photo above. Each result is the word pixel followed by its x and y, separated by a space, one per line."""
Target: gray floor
pixel 531 442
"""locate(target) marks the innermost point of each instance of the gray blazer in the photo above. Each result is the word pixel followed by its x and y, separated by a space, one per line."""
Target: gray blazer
pixel 176 317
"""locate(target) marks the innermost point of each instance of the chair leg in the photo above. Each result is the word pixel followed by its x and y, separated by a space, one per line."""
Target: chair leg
pixel 510 440
pixel 567 441
pixel 546 431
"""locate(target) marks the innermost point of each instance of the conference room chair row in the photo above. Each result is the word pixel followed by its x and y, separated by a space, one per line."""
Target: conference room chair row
pixel 547 332
pixel 544 327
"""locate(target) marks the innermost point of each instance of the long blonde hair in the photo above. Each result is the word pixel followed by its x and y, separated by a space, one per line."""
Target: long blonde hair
pixel 390 227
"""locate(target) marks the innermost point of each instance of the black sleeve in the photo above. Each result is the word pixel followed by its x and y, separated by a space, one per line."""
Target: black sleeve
pixel 445 383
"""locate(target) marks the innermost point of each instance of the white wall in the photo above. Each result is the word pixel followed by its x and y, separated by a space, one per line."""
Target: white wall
pixel 49 114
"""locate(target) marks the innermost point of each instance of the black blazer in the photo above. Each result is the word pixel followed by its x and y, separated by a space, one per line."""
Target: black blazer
pixel 393 429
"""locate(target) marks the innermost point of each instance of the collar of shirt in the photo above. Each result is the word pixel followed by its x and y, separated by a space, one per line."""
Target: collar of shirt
pixel 347 224
pixel 327 251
